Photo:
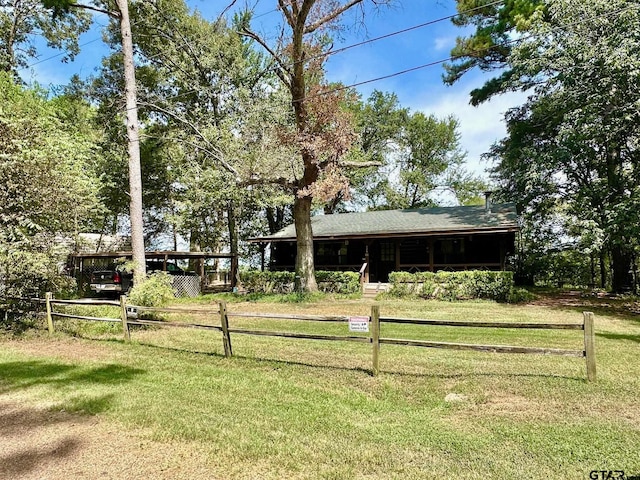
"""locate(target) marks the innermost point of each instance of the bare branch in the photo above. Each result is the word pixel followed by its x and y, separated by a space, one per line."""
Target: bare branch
pixel 110 13
pixel 287 14
pixel 327 18
pixel 227 8
pixel 284 68
pixel 352 164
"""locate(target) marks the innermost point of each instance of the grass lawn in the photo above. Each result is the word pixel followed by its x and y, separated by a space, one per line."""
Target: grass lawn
pixel 289 408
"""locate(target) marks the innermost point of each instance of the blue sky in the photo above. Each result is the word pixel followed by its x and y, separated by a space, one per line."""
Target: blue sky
pixel 421 90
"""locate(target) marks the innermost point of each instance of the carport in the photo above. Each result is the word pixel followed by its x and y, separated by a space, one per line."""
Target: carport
pixel 205 266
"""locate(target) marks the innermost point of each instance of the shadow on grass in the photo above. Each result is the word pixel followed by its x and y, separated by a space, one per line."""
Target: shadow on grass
pixel 24 461
pixel 623 308
pixel 22 375
pixel 619 336
pixel 278 363
pixel 35 436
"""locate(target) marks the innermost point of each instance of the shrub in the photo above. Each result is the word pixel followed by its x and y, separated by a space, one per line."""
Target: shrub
pixel 31 274
pixel 283 282
pixel 338 282
pixel 256 281
pixel 464 285
pixel 520 295
pixel 155 291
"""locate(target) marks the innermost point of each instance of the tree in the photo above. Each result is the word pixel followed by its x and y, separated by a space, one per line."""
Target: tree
pixel 322 131
pixel 574 145
pixel 22 20
pixel 489 47
pixel 429 148
pixel 120 12
pixel 210 106
pixel 419 156
pixel 45 165
pixel 49 184
pixel 380 122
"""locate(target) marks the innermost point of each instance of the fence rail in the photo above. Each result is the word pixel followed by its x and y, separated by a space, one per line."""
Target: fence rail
pixel 448 323
pixel 373 321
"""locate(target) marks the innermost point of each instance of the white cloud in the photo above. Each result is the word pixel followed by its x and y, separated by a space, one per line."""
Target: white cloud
pixel 444 43
pixel 480 126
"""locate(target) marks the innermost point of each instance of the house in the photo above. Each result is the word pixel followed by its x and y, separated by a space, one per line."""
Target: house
pixel 427 239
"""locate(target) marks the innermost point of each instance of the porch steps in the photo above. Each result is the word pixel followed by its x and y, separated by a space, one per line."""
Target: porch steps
pixel 371 290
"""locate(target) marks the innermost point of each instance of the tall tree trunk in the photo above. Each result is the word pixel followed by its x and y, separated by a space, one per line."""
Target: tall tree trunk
pixel 603 269
pixel 621 263
pixel 233 227
pixel 305 269
pixel 195 245
pixel 233 241
pixel 135 175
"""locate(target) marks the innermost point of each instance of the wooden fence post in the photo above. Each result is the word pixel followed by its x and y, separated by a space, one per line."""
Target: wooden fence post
pixel 375 338
pixel 48 298
pixel 224 323
pixel 589 346
pixel 123 314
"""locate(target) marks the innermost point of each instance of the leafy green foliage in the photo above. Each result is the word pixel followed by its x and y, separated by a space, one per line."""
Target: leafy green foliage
pixel 48 195
pixel 20 20
pixel 418 154
pixel 465 285
pixel 283 282
pixel 572 149
pixel 212 110
pixel 45 166
pixel 155 291
pixel 338 282
pixel 489 46
pixel 32 274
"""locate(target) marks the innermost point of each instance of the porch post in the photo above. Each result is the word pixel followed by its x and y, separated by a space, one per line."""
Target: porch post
pixel 431 245
pixel 263 247
pixel 367 261
pixel 203 280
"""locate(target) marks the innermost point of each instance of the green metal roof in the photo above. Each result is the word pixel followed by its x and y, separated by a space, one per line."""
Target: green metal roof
pixel 422 222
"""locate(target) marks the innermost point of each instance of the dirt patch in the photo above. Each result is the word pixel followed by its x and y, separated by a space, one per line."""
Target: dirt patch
pixel 68 349
pixel 37 443
pixel 507 405
pixel 614 304
pixel 519 408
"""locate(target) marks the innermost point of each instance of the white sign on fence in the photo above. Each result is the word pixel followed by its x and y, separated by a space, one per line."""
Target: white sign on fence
pixel 358 324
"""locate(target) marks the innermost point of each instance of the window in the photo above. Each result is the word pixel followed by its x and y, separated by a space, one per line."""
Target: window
pixel 387 252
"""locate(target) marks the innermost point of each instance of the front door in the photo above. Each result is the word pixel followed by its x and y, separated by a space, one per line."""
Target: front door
pixel 383 260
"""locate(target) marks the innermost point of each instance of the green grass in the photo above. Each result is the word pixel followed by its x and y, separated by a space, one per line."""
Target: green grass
pixel 287 408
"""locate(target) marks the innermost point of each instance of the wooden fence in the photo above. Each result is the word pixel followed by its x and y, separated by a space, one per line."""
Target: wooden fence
pixel 128 317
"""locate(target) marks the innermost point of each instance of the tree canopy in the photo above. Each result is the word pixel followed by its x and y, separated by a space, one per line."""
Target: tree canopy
pixel 239 134
pixel 46 160
pixel 418 157
pixel 489 46
pixel 21 21
pixel 47 170
pixel 573 146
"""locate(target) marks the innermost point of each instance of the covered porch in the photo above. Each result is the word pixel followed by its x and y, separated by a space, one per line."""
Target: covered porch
pixel 376 258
